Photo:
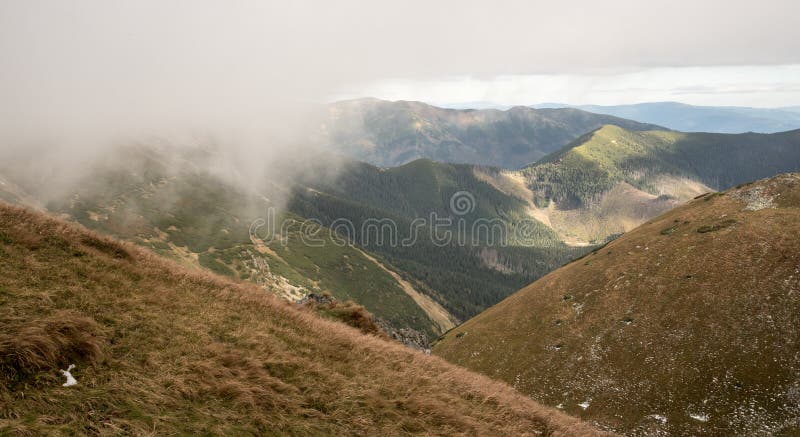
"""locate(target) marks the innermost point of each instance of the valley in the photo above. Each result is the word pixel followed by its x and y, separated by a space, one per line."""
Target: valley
pixel 528 221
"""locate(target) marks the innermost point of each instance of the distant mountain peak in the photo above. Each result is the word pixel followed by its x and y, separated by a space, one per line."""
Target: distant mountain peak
pixel 388 134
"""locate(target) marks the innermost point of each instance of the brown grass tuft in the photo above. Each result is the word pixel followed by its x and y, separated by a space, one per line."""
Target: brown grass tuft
pixel 349 313
pixel 106 245
pixel 48 343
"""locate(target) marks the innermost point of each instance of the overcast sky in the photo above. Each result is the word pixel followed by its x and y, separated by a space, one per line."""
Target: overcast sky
pixel 86 65
pixel 767 86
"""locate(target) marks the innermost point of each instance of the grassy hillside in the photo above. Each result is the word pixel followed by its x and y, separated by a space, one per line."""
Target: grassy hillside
pixel 160 349
pixel 686 325
pixel 608 155
pixel 604 184
pixel 169 201
pixel 164 201
pixel 646 172
pixel 394 133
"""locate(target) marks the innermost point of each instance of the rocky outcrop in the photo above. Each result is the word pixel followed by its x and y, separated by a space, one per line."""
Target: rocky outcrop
pixel 328 305
pixel 409 337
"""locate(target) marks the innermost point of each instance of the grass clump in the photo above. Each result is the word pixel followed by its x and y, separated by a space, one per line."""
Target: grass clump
pixel 106 246
pixel 669 230
pixel 349 313
pixel 46 342
pixel 716 226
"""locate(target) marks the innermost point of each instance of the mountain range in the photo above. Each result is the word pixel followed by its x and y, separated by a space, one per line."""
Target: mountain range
pixel 612 191
pixel 169 203
pixel 528 222
pixel 389 134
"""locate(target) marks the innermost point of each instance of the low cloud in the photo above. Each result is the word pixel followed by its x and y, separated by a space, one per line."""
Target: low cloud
pixel 77 76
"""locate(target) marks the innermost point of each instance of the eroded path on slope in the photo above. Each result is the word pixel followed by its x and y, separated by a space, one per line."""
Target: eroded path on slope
pixel 440 316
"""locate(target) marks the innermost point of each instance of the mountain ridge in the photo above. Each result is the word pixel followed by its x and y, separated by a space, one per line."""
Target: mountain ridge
pixel 389 134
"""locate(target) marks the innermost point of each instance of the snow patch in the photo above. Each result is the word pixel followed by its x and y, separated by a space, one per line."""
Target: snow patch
pixel 755 199
pixel 70 379
pixel 660 418
pixel 699 417
pixel 585 404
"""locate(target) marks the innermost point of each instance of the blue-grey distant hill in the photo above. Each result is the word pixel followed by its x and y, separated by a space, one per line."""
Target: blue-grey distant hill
pixel 689 118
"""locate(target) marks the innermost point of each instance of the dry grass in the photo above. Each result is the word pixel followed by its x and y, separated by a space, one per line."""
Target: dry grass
pixel 349 313
pixel 163 350
pixel 28 346
pixel 695 312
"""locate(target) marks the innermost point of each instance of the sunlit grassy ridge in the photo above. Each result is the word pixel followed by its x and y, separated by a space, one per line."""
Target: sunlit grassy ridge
pixel 599 159
pixel 165 350
pixel 612 179
pixel 610 146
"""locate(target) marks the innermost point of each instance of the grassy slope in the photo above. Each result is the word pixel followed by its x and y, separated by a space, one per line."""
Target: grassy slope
pixel 161 349
pixel 695 312
pixel 164 201
pixel 350 275
pixel 198 218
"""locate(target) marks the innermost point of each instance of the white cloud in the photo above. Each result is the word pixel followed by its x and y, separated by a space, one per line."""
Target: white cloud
pixel 94 65
pixel 759 86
